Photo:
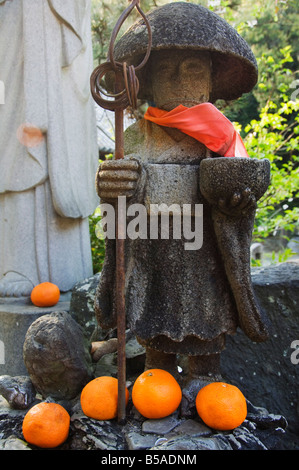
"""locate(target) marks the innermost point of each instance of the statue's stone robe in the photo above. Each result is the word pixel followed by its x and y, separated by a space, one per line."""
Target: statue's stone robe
pixel 177 300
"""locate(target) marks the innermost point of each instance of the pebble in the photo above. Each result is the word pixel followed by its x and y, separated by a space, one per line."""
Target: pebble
pixel 138 441
pixel 190 427
pixel 13 443
pixel 18 391
pixel 160 426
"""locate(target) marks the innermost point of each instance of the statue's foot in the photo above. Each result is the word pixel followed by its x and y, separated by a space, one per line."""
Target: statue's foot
pixel 190 391
pixel 159 360
pixel 15 285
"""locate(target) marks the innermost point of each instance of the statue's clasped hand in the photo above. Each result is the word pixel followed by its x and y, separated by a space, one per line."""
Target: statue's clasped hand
pixel 238 204
pixel 117 178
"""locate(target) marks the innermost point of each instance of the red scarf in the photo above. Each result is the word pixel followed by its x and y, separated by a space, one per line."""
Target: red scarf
pixel 205 123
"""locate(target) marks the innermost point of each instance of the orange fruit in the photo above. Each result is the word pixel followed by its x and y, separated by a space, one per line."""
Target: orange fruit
pixel 156 394
pixel 46 425
pixel 221 406
pixel 45 294
pixel 99 398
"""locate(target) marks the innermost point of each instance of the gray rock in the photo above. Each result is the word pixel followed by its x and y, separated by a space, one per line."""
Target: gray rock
pixel 13 443
pixel 192 443
pixel 57 356
pixel 135 356
pixel 18 391
pixel 138 441
pixel 10 420
pixel 82 306
pixel 265 372
pixel 190 427
pixel 107 365
pixel 96 435
pixel 247 440
pixel 160 426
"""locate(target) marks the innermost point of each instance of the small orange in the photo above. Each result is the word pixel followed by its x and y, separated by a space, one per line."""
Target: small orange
pixel 46 425
pixel 221 406
pixel 45 294
pixel 99 398
pixel 156 394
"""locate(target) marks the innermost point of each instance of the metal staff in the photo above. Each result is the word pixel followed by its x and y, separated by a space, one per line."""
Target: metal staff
pixel 126 91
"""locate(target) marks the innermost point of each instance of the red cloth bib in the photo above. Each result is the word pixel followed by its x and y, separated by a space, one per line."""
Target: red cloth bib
pixel 205 123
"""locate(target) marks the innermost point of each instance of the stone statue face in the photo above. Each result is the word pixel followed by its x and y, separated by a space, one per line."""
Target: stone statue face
pixel 180 77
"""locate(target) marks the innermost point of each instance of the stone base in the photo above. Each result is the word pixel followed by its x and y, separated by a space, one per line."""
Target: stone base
pixel 260 431
pixel 16 315
pixel 265 372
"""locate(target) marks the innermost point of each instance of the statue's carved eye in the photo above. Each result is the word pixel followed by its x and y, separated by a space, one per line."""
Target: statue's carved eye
pixel 192 66
pixel 166 67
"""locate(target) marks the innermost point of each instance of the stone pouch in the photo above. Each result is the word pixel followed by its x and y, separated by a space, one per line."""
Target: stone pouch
pixel 225 176
pixel 233 186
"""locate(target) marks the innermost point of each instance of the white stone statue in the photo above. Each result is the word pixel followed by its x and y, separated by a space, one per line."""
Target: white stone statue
pixel 48 145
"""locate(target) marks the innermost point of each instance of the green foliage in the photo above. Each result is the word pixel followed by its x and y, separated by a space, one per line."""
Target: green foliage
pixel 275 135
pixel 97 242
pixel 96 235
pixel 105 13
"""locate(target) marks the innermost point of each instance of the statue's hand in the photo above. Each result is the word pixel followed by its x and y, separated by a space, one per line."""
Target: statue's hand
pixel 238 204
pixel 117 178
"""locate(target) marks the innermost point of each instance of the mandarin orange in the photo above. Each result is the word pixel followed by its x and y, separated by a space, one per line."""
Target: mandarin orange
pixel 156 394
pixel 46 425
pixel 221 406
pixel 45 294
pixel 99 398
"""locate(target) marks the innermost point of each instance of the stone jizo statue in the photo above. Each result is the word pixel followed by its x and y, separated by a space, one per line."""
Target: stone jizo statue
pixel 48 144
pixel 178 301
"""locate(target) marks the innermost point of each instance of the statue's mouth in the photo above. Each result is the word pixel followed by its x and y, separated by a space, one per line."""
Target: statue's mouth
pixel 188 102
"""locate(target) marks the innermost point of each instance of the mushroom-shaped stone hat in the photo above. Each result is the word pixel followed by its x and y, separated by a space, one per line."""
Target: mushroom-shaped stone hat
pixel 183 25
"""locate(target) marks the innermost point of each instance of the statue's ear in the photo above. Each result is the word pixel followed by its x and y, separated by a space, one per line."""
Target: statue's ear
pixel 145 82
pixel 149 88
pixel 211 74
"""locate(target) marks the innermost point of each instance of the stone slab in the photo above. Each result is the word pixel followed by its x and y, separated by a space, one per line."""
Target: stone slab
pixel 269 372
pixel 16 315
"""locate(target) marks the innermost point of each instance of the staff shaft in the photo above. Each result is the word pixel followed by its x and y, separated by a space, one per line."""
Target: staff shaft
pixel 120 269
